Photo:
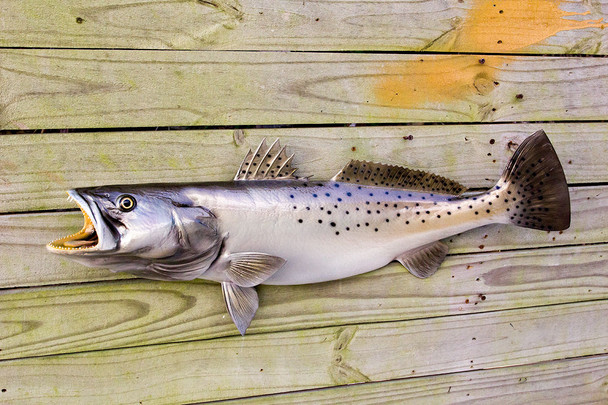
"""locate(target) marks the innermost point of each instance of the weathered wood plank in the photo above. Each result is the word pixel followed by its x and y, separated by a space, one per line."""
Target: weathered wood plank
pixel 271 363
pixel 36 170
pixel 527 26
pixel 114 88
pixel 24 260
pixel 138 312
pixel 572 381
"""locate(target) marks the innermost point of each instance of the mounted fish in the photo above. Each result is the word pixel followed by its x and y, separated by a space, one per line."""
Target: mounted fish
pixel 270 227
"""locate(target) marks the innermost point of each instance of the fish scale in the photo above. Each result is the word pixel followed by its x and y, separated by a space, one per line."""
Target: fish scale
pixel 268 226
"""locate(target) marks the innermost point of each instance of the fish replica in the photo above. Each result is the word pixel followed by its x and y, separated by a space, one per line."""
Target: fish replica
pixel 268 226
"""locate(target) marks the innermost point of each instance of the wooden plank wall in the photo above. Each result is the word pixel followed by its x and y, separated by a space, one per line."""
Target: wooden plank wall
pixel 128 92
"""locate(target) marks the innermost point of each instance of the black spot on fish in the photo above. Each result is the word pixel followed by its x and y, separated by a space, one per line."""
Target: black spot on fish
pixel 367 224
pixel 398 214
pixel 476 212
pixel 377 211
pixel 291 196
pixel 449 213
pixel 347 228
pixel 371 194
pixel 337 233
pixel 332 223
pixel 367 202
pixel 300 221
pixel 488 211
pixel 328 212
pixel 347 212
pixel 314 195
pixel 320 221
pixel 375 229
pixel 349 194
pixel 327 194
pixel 438 216
pixel 423 221
pixel 336 185
pixel 428 212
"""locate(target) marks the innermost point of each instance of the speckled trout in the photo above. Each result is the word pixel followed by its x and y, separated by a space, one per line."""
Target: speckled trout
pixel 268 226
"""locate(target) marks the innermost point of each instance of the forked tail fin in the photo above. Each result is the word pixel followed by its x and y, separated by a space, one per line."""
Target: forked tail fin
pixel 535 185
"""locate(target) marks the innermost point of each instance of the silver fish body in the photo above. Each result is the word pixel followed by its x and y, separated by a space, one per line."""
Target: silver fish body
pixel 269 227
pixel 330 230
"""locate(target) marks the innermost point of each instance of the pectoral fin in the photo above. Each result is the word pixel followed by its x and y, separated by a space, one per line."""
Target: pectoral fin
pixel 249 269
pixel 424 261
pixel 241 303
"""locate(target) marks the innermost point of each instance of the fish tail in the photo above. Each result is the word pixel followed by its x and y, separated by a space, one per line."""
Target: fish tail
pixel 534 186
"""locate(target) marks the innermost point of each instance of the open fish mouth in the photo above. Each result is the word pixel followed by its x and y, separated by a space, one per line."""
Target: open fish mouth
pixel 85 239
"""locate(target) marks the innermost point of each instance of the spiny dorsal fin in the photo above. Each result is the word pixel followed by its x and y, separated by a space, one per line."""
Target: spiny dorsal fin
pixel 424 261
pixel 267 163
pixel 381 175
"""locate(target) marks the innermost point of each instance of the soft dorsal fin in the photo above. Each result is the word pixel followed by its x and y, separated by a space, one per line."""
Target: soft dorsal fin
pixel 381 175
pixel 267 163
pixel 424 261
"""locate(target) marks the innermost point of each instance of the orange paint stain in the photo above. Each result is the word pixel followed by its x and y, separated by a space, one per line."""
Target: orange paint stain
pixel 509 25
pixel 434 80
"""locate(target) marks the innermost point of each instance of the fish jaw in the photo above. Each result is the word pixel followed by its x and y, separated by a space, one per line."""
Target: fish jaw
pixel 94 237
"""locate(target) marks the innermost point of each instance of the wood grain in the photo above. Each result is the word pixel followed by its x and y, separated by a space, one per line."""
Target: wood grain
pixel 572 381
pixel 36 170
pixel 114 88
pixel 137 312
pixel 313 358
pixel 530 26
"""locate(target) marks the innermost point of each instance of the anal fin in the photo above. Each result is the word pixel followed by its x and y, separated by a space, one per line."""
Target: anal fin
pixel 241 303
pixel 424 261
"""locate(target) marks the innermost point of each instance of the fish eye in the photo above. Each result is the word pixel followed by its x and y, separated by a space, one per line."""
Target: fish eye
pixel 126 203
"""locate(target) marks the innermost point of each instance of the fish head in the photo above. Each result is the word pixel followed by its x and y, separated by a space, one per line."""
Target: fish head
pixel 130 227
